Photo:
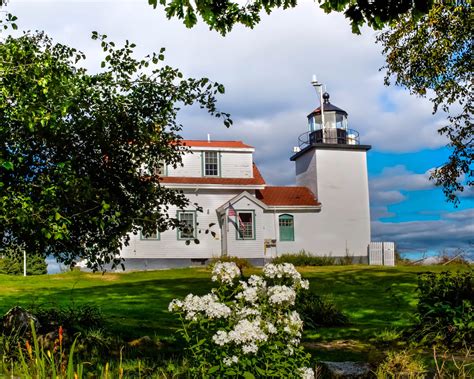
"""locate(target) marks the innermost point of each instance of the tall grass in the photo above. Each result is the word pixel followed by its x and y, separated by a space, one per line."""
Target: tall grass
pixel 36 362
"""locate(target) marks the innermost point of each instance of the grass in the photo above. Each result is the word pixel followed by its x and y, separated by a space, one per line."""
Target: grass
pixel 136 304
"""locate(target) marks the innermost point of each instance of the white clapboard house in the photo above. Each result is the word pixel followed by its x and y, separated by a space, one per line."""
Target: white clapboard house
pixel 326 213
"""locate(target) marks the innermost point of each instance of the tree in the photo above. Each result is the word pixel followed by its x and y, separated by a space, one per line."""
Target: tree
pixel 12 261
pixel 74 146
pixel 433 57
pixel 224 14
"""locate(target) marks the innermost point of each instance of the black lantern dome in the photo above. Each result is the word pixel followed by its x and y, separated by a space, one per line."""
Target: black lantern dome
pixel 330 127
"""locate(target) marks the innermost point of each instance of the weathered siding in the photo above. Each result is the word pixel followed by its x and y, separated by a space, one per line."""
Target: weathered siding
pixel 170 247
pixel 192 165
pixel 247 248
pixel 236 165
pixel 232 165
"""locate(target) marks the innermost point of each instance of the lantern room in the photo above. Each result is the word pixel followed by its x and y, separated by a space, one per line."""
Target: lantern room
pixel 332 117
pixel 328 126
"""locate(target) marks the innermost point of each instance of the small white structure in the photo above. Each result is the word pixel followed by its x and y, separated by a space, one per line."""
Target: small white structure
pixel 382 253
pixel 326 213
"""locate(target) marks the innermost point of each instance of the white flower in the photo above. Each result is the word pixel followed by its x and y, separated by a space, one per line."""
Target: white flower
pixel 295 341
pixel 225 272
pixel 247 331
pixel 245 312
pixel 306 373
pixel 229 361
pixel 257 281
pixel 271 329
pixel 249 294
pixel 293 324
pixel 304 284
pixel 279 295
pixel 207 305
pixel 175 305
pixel 220 338
pixel 251 348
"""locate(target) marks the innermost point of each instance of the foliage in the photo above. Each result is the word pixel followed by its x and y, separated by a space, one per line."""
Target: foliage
pixel 455 257
pixel 245 328
pixel 450 366
pixel 36 362
pixel 304 258
pixel 74 318
pixel 317 311
pixel 240 262
pixel 11 262
pixel 401 365
pixel 76 146
pixel 433 56
pixel 445 310
pixel 223 15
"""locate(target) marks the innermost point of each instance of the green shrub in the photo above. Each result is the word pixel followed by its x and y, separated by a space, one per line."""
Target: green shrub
pixel 240 262
pixel 445 311
pixel 303 258
pixel 317 311
pixel 11 263
pixel 73 318
pixel 401 365
pixel 246 329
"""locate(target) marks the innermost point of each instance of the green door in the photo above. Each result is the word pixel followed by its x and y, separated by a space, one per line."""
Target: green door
pixel 287 228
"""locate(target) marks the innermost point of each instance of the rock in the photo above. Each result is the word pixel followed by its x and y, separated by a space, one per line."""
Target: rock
pixel 144 341
pixel 18 321
pixel 346 370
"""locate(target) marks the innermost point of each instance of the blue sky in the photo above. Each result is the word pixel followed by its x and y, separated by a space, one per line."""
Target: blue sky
pixel 267 73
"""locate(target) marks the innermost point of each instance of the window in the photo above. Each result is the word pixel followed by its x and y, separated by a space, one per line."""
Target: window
pixel 188 230
pixel 287 228
pixel 245 225
pixel 211 163
pixel 159 170
pixel 153 236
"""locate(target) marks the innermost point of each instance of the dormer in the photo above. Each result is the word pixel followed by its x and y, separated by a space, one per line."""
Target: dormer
pixel 216 163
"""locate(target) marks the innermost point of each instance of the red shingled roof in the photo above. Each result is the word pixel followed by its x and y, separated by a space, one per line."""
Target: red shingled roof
pixel 224 144
pixel 256 180
pixel 294 196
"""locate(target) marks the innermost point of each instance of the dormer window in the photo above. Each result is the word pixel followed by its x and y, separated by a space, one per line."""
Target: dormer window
pixel 211 163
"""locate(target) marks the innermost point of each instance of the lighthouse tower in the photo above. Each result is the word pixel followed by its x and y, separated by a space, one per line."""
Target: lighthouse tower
pixel 332 163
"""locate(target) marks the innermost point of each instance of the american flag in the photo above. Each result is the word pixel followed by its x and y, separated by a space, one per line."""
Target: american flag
pixel 231 212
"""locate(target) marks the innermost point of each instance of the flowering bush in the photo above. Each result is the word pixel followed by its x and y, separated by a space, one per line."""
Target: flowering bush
pixel 248 327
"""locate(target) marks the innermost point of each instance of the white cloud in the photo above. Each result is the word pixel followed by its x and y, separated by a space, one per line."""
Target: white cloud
pixel 452 230
pixel 399 178
pixel 266 70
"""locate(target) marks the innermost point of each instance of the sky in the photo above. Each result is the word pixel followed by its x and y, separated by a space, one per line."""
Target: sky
pixel 267 73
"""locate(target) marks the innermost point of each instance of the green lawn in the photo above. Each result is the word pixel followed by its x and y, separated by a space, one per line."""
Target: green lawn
pixel 135 304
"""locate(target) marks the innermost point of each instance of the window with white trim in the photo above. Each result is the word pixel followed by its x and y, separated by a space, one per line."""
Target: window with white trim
pixel 245 225
pixel 211 163
pixel 188 222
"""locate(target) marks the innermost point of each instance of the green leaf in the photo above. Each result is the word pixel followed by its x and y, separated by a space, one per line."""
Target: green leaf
pixel 213 369
pixel 248 375
pixel 8 166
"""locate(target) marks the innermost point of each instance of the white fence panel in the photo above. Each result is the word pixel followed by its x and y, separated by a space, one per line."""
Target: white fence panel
pixel 376 253
pixel 389 254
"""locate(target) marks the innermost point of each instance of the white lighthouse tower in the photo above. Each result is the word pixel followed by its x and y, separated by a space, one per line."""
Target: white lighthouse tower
pixel 333 164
